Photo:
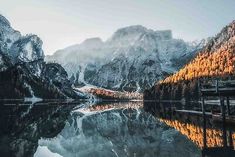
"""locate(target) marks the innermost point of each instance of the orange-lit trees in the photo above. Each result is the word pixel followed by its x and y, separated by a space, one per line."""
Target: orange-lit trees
pixel 216 60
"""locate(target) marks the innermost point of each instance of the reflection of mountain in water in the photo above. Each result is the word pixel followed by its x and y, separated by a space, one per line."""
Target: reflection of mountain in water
pixel 117 129
pixel 189 124
pixel 105 129
pixel 22 125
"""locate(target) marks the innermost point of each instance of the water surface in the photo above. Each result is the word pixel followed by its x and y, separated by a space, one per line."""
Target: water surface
pixel 110 129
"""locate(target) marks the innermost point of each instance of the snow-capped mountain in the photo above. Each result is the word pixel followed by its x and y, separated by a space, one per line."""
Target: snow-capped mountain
pixel 23 72
pixel 132 59
pixel 7 35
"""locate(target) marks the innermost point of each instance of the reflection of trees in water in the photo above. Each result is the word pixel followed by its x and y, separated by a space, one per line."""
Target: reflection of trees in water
pixel 195 133
pixel 192 131
pixel 187 123
pixel 116 105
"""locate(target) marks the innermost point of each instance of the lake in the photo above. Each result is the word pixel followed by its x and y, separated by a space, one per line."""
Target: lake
pixel 104 129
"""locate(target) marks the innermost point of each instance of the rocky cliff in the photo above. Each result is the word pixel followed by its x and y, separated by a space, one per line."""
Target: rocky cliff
pixel 132 59
pixel 23 72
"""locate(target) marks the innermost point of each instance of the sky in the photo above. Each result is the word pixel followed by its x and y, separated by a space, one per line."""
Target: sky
pixel 61 23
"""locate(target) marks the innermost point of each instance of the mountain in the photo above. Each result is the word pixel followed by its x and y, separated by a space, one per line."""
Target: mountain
pixel 215 60
pixel 23 71
pixel 132 59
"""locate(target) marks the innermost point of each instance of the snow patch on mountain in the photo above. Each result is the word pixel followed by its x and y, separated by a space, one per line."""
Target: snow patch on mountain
pixel 28 48
pixel 132 59
pixel 7 34
pixel 24 71
pixel 33 99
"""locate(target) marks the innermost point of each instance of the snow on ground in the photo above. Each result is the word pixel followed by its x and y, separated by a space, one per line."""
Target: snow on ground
pixel 43 151
pixel 32 99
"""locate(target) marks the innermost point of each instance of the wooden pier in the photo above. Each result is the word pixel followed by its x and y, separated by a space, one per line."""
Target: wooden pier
pixel 222 90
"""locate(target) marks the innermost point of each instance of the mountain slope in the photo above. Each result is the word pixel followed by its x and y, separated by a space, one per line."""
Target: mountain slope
pixel 216 60
pixel 23 72
pixel 131 60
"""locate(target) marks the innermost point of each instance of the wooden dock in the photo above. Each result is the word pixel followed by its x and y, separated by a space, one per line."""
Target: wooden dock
pixel 194 112
pixel 220 88
pixel 223 90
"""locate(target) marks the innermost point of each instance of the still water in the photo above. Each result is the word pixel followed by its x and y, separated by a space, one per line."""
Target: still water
pixel 107 129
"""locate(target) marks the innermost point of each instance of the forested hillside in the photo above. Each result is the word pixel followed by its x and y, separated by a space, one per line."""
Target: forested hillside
pixel 215 61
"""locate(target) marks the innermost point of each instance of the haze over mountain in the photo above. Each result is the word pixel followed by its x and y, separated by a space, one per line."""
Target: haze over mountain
pixel 60 23
pixel 132 59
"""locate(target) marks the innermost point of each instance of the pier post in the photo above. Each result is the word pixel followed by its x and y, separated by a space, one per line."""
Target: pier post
pixel 228 105
pixel 223 122
pixel 204 124
pixel 230 133
pixel 217 86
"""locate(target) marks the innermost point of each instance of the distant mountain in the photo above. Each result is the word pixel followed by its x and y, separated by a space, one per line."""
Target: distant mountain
pixel 131 60
pixel 23 72
pixel 215 60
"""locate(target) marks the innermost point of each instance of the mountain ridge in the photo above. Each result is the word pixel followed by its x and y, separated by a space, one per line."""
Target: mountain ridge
pixel 127 49
pixel 23 71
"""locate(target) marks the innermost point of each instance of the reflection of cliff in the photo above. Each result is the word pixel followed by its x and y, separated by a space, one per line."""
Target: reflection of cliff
pixel 119 129
pixel 22 125
pixel 195 133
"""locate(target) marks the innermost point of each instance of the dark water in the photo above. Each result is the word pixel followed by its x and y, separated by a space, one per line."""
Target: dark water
pixel 108 129
pixel 188 119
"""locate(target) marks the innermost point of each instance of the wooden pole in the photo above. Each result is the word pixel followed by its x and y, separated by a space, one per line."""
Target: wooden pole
pixel 230 133
pixel 204 123
pixel 217 86
pixel 228 106
pixel 223 121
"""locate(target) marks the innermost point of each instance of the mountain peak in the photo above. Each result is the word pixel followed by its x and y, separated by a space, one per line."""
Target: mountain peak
pixel 27 49
pixel 227 33
pixel 132 29
pixel 4 21
pixel 136 32
pixel 92 43
pixel 92 40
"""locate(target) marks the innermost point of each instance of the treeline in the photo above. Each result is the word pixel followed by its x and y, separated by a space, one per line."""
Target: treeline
pixel 188 90
pixel 207 64
pixel 109 94
pixel 18 82
pixel 13 85
pixel 174 91
pixel 215 61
